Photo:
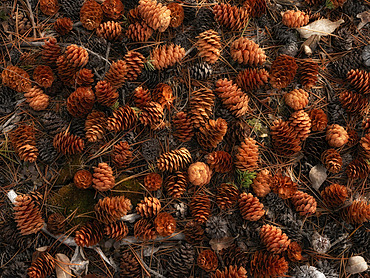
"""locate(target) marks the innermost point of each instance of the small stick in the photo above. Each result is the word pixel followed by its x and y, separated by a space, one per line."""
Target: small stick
pixel 28 4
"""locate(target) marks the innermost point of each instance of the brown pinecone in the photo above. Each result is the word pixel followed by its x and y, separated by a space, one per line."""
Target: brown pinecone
pixel 296 99
pixel 75 57
pixel 167 55
pixel 353 102
pixel 177 14
pixel 332 160
pixel 200 207
pixel 353 137
pixel 252 79
pixel 313 2
pixel 250 207
pixel 63 25
pixel 262 183
pixel 24 23
pixel 283 71
pixel 95 126
pixel 121 154
pixel 165 224
pixel 103 177
pixel 201 105
pixel 134 15
pixel 113 9
pixel 301 123
pixel 27 215
pixel 335 195
pixel 110 30
pixel 264 265
pixel 212 133
pixel 152 115
pixel 144 230
pixel 234 255
pixel 255 8
pixel 220 161
pixel 129 266
pixel 231 272
pixel 183 127
pixel 90 234
pixel 36 99
pixel 237 130
pixel 56 223
pixel 134 63
pixel 336 136
pixel 91 14
pixel 49 7
pixel 283 186
pixel 245 52
pixel 68 143
pixel 207 260
pixel 111 209
pixel 365 146
pixel 116 230
pixel 83 179
pixel 284 138
pixel 199 174
pixel 148 207
pixel 194 233
pixel 366 124
pixel 81 102
pixel 24 143
pixel 16 79
pixel 357 213
pixel 141 97
pixel 51 51
pixel 359 79
pixel 319 120
pixel 139 32
pixel 153 181
pixel 174 160
pixel 117 74
pixel 157 16
pixel 294 252
pixel 308 73
pixel 163 94
pixel 84 77
pixel 124 118
pixel 274 239
pixel 42 267
pixel 105 93
pixel 232 97
pixel 295 19
pixel 43 76
pixel 304 203
pixel 336 3
pixel 176 185
pixel 209 46
pixel 227 195
pixel 358 169
pixel 230 16
pixel 247 155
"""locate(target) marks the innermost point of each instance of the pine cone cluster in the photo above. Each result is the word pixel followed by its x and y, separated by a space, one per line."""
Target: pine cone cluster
pixel 183 127
pixel 27 214
pixel 89 234
pixel 295 19
pixel 207 260
pixel 23 141
pixel 176 184
pixel 134 63
pixel 83 179
pixel 250 207
pixel 153 181
pixel 230 16
pixel 335 195
pixel 174 160
pixel 91 14
pixel 155 15
pixel 68 144
pixel 245 52
pixel 353 102
pixel 283 186
pixel 319 120
pixel 247 155
pixel 264 265
pixel 199 174
pixel 121 154
pixel 117 74
pixel 166 56
pixel 304 203
pixel 200 207
pixel 36 99
pixel 274 239
pixel 43 76
pixel 201 106
pixel 43 266
pixel 308 73
pixel 252 79
pixel 336 136
pixel 262 183
pixel 332 160
pixel 116 230
pixel 165 224
pixel 220 161
pixel 212 133
pixel 16 79
pixel 148 207
pixel 296 99
pixel 63 25
pixel 283 71
pixel 111 209
pixel 56 223
pixel 124 118
pixel 209 46
pixel 227 195
pixel 357 213
pixel 359 80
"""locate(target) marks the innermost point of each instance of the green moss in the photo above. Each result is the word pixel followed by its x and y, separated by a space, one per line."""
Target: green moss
pixel 130 188
pixel 69 169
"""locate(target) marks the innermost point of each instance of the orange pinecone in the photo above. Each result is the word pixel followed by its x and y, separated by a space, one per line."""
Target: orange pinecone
pixel 284 138
pixel 232 97
pixel 41 267
pixel 68 143
pixel 255 8
pixel 201 105
pixel 176 185
pixel 353 102
pixel 265 265
pixel 295 19
pixel 84 77
pixel 36 99
pixel 139 32
pixel 134 15
pixel 308 73
pixel 274 239
pixel 227 195
pixel 83 179
pixel 51 51
pixel 283 71
pixel 95 126
pixel 194 233
pixel 163 94
pixel 117 74
pixel 90 234
pixel 157 16
pixel 105 93
pixel 296 99
pixel 75 56
pixel 183 127
pixel 165 224
pixel 230 16
pixel 200 207
pixel 358 169
pixel 124 118
pixel 332 160
pixel 113 9
pixel 207 260
pixel 209 46
pixel 247 155
pixel 23 140
pixel 43 75
pixel 304 203
pixel 81 102
pixel 357 213
pixel 144 230
pixel 336 136
pixel 319 120
pixel 27 215
pixel 212 133
pixel 353 137
pixel 366 124
pixel 220 161
pixel 199 174
pixel 365 146
pixel 262 183
pixel 111 209
pixel 49 7
pixel 56 223
pixel 121 154
pixel 335 195
pixel 141 97
pixel 177 14
pixel 129 266
pixel 301 123
pixel 313 2
pixel 166 56
pixel 250 207
pixel 91 14
pixel 135 64
pixel 153 181
pixel 116 230
pixel 152 115
pixel 63 25
pixel 245 52
pixel 174 160
pixel 16 79
pixel 110 30
pixel 336 3
pixel 360 80
pixel 103 177
pixel 294 252
pixel 283 186
pixel 148 207
pixel 231 271
pixel 252 79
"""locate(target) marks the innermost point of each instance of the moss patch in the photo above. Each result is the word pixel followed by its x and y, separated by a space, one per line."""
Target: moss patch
pixel 130 189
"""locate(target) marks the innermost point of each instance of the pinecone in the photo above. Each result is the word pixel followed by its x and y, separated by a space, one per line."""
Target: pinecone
pixel 43 76
pixel 193 232
pixel 319 120
pixel 283 71
pixel 144 230
pixel 174 160
pixel 165 224
pixel 358 169
pixel 63 25
pixel 43 266
pixel 255 8
pixel 200 207
pixel 353 103
pixel 230 16
pixel 212 133
pixel 134 15
pixel 153 181
pixel 250 207
pixel 36 99
pixel 336 136
pixel 177 14
pixel 366 124
pixel 201 104
pixel 49 7
pixel 105 93
pixel 199 174
pixel 220 161
pixel 135 64
pixel 332 161
pixel 357 213
pixel 103 177
pixel 350 61
pixel 130 267
pixel 56 223
pixel 236 132
pixel 176 184
pixel 27 215
pixel 245 52
pixel 16 79
pixel 231 271
pixel 116 230
pixel 359 80
pixel 157 16
pixel 234 255
pixel 95 126
pixel 284 138
pixel 81 102
pixel 262 183
pixel 83 179
pixel 295 19
pixel 268 265
pixel 152 115
pixel 113 9
pixel 139 32
pixel 313 2
pixel 301 123
pixel 207 260
pixel 89 234
pixel 294 252
pixel 183 127
pixel 24 143
pixel 308 73
pixel 111 209
pixel 91 14
pixel 274 239
pixel 227 195
pixel 110 30
pixel 51 51
pixel 209 46
pixel 283 186
pixel 148 207
pixel 335 3
pixel 200 71
pixel 181 261
pixel 252 79
pixel 304 203
pixel 353 138
pixel 163 94
pixel 47 153
pixel 166 56
pixel 117 74
pixel 124 118
pixel 296 99
pixel 141 97
pixel 335 195
pixel 247 155
pixel 121 154
pixel 67 143
pixel 365 146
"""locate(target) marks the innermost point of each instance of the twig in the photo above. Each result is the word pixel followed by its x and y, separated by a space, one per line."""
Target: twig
pixel 156 274
pixel 106 57
pixel 28 4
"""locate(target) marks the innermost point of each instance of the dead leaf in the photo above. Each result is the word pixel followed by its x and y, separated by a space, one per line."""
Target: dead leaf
pixel 321 27
pixel 219 244
pixel 365 18
pixel 62 266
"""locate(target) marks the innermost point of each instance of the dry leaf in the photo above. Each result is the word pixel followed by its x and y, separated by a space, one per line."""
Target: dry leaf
pixel 62 267
pixel 317 176
pixel 321 27
pixel 219 244
pixel 365 18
